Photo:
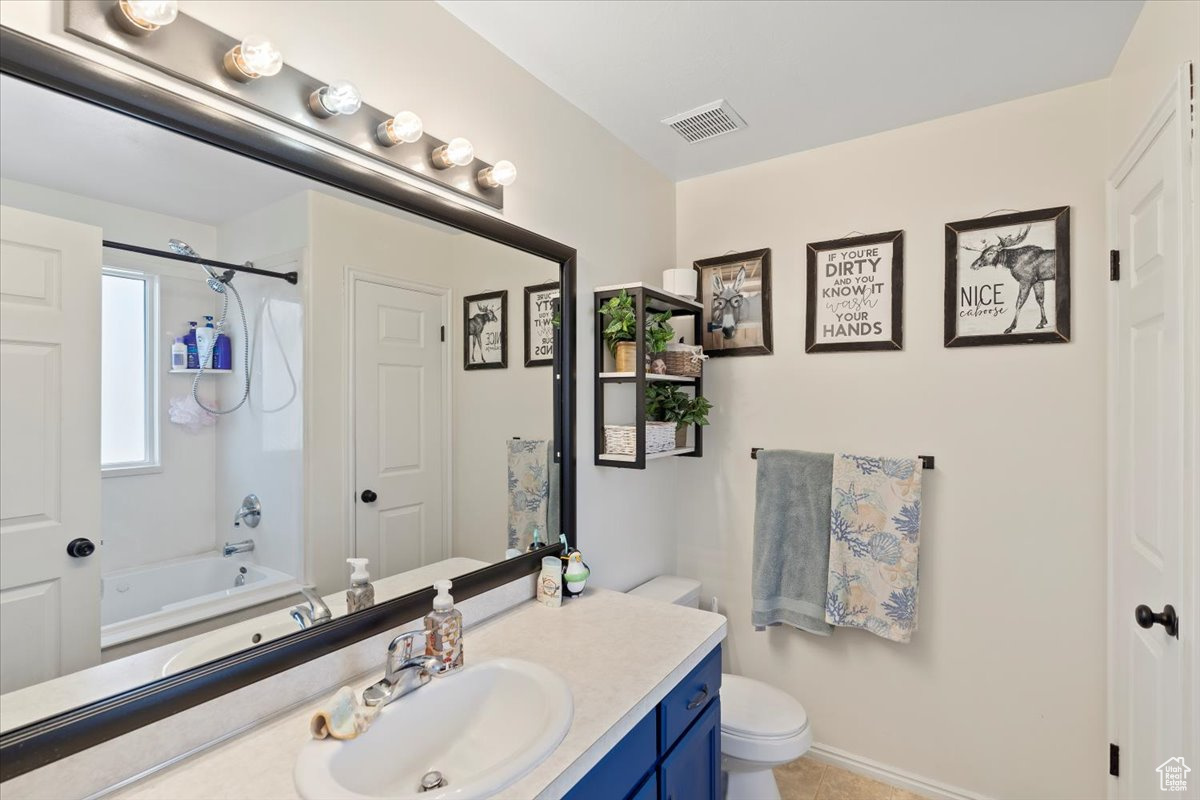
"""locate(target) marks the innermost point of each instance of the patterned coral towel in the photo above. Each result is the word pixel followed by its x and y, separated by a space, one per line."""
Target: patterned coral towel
pixel 874 529
pixel 529 492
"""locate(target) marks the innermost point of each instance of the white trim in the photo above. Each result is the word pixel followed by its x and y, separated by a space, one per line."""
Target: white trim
pixel 893 776
pixel 352 276
pixel 1176 104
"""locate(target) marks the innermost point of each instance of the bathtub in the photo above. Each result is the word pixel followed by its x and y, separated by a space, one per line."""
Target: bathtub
pixel 143 601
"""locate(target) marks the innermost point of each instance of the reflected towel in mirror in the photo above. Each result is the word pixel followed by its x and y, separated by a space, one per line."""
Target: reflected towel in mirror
pixel 530 483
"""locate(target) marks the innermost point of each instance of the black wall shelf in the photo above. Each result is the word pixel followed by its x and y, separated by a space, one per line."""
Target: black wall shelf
pixel 646 299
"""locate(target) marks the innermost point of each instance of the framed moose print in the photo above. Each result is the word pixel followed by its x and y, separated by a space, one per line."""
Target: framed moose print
pixel 485 331
pixel 855 294
pixel 541 306
pixel 735 291
pixel 1008 279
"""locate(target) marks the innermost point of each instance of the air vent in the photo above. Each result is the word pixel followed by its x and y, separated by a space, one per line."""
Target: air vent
pixel 709 120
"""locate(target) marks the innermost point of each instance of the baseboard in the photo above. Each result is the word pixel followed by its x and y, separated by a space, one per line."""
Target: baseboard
pixel 926 787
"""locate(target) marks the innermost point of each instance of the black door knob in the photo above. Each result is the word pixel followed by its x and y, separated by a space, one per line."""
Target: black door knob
pixel 80 548
pixel 368 496
pixel 1146 618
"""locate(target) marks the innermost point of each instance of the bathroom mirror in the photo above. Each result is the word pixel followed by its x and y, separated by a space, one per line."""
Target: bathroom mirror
pixel 224 377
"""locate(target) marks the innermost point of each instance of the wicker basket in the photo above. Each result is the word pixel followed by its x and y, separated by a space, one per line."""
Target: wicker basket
pixel 681 359
pixel 621 440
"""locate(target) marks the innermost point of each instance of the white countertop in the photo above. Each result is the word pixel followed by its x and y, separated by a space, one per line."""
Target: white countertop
pixel 620 655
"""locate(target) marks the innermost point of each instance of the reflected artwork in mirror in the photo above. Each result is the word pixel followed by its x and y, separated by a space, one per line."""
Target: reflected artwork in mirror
pixel 222 380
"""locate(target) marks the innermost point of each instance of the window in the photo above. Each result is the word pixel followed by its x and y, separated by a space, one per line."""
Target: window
pixel 128 382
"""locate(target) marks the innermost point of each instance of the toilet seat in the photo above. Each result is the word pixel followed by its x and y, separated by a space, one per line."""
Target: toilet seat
pixel 760 723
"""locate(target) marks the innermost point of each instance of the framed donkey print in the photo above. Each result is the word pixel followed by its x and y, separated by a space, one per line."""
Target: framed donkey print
pixel 735 291
pixel 1008 279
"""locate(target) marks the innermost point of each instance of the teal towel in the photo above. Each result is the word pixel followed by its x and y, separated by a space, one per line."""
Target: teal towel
pixel 791 540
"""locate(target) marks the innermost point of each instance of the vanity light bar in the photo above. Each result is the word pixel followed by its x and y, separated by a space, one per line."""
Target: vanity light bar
pixel 252 72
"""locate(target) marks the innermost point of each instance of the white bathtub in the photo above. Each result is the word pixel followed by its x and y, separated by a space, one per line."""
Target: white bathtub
pixel 146 600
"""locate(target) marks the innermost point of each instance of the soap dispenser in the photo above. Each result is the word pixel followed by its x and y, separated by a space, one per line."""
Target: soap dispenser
pixel 443 628
pixel 361 593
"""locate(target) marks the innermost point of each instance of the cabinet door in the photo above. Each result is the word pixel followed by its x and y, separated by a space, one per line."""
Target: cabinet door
pixel 692 770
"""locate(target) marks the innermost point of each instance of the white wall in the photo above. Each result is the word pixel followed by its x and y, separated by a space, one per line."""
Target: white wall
pixel 1002 689
pixel 166 514
pixel 260 446
pixel 1167 34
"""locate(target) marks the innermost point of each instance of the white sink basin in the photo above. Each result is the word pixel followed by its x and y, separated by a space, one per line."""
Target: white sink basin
pixel 214 645
pixel 482 728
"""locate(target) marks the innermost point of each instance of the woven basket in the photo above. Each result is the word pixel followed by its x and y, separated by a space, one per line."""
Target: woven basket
pixel 684 360
pixel 621 440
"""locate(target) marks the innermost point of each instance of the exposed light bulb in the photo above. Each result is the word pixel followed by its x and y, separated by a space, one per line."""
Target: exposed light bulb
pixel 145 16
pixel 458 152
pixel 404 127
pixel 336 99
pixel 502 174
pixel 255 57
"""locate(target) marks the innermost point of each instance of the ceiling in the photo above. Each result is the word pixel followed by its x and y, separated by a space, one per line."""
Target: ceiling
pixel 55 141
pixel 802 74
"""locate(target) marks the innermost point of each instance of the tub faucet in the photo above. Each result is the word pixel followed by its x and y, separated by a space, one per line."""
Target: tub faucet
pixel 250 512
pixel 403 672
pixel 315 613
pixel 244 546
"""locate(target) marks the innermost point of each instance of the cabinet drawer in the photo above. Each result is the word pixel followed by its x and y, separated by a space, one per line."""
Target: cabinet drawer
pixel 692 770
pixel 687 701
pixel 622 768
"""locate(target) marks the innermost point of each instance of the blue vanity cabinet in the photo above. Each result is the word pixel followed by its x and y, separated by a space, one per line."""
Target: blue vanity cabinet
pixel 673 753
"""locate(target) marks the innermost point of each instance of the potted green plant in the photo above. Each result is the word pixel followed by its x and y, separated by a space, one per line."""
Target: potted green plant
pixel 620 331
pixel 666 402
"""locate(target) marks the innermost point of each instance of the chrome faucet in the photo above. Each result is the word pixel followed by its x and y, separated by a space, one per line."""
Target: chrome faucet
pixel 249 512
pixel 403 672
pixel 315 613
pixel 244 546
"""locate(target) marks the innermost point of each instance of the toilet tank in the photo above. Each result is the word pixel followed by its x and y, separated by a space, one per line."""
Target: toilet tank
pixel 671 589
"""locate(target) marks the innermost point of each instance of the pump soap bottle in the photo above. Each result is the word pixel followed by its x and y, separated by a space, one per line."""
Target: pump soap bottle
pixel 361 593
pixel 443 628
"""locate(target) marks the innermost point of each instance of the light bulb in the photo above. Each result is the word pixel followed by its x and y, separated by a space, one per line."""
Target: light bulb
pixel 145 16
pixel 404 127
pixel 255 57
pixel 502 174
pixel 336 99
pixel 458 152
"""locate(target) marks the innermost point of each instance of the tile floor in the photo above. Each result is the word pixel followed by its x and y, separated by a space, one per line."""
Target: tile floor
pixel 806 779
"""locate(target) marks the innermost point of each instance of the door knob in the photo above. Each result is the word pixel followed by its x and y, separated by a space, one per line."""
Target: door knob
pixel 80 548
pixel 1146 617
pixel 369 496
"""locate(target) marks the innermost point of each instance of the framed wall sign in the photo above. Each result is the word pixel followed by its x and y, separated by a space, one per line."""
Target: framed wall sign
pixel 856 294
pixel 485 331
pixel 541 305
pixel 996 265
pixel 735 291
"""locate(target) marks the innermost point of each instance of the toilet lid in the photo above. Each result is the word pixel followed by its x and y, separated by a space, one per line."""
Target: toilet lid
pixel 753 709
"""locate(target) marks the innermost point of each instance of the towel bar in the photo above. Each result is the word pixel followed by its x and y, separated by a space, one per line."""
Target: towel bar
pixel 926 461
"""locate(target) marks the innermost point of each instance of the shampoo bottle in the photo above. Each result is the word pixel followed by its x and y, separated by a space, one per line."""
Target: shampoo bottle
pixel 189 341
pixel 361 593
pixel 222 354
pixel 205 339
pixel 443 628
pixel 179 354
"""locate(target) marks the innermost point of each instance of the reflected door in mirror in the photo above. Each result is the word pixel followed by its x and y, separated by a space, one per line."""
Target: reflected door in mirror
pixel 400 426
pixel 49 464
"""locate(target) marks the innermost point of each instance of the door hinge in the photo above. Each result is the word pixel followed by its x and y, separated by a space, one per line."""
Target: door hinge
pixel 443 333
pixel 1114 760
pixel 1114 265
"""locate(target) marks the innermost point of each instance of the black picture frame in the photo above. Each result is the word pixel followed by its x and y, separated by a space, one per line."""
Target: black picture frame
pixel 529 313
pixel 60 735
pixel 893 339
pixel 1060 216
pixel 471 340
pixel 705 265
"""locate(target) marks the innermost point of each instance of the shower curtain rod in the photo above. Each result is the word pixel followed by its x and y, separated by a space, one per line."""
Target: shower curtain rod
pixel 290 277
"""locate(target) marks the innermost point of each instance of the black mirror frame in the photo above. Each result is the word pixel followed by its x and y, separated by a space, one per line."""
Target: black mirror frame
pixel 37 744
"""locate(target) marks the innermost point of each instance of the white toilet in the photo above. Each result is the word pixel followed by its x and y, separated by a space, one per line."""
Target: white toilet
pixel 761 727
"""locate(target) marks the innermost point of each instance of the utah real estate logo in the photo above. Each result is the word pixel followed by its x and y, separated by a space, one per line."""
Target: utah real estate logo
pixel 1172 775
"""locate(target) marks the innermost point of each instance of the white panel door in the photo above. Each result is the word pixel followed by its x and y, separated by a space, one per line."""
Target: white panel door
pixel 1152 676
pixel 399 427
pixel 49 446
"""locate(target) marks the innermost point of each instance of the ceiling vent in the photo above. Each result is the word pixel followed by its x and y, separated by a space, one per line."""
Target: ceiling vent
pixel 707 121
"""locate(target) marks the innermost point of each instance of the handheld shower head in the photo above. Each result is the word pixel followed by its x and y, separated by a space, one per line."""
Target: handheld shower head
pixel 216 281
